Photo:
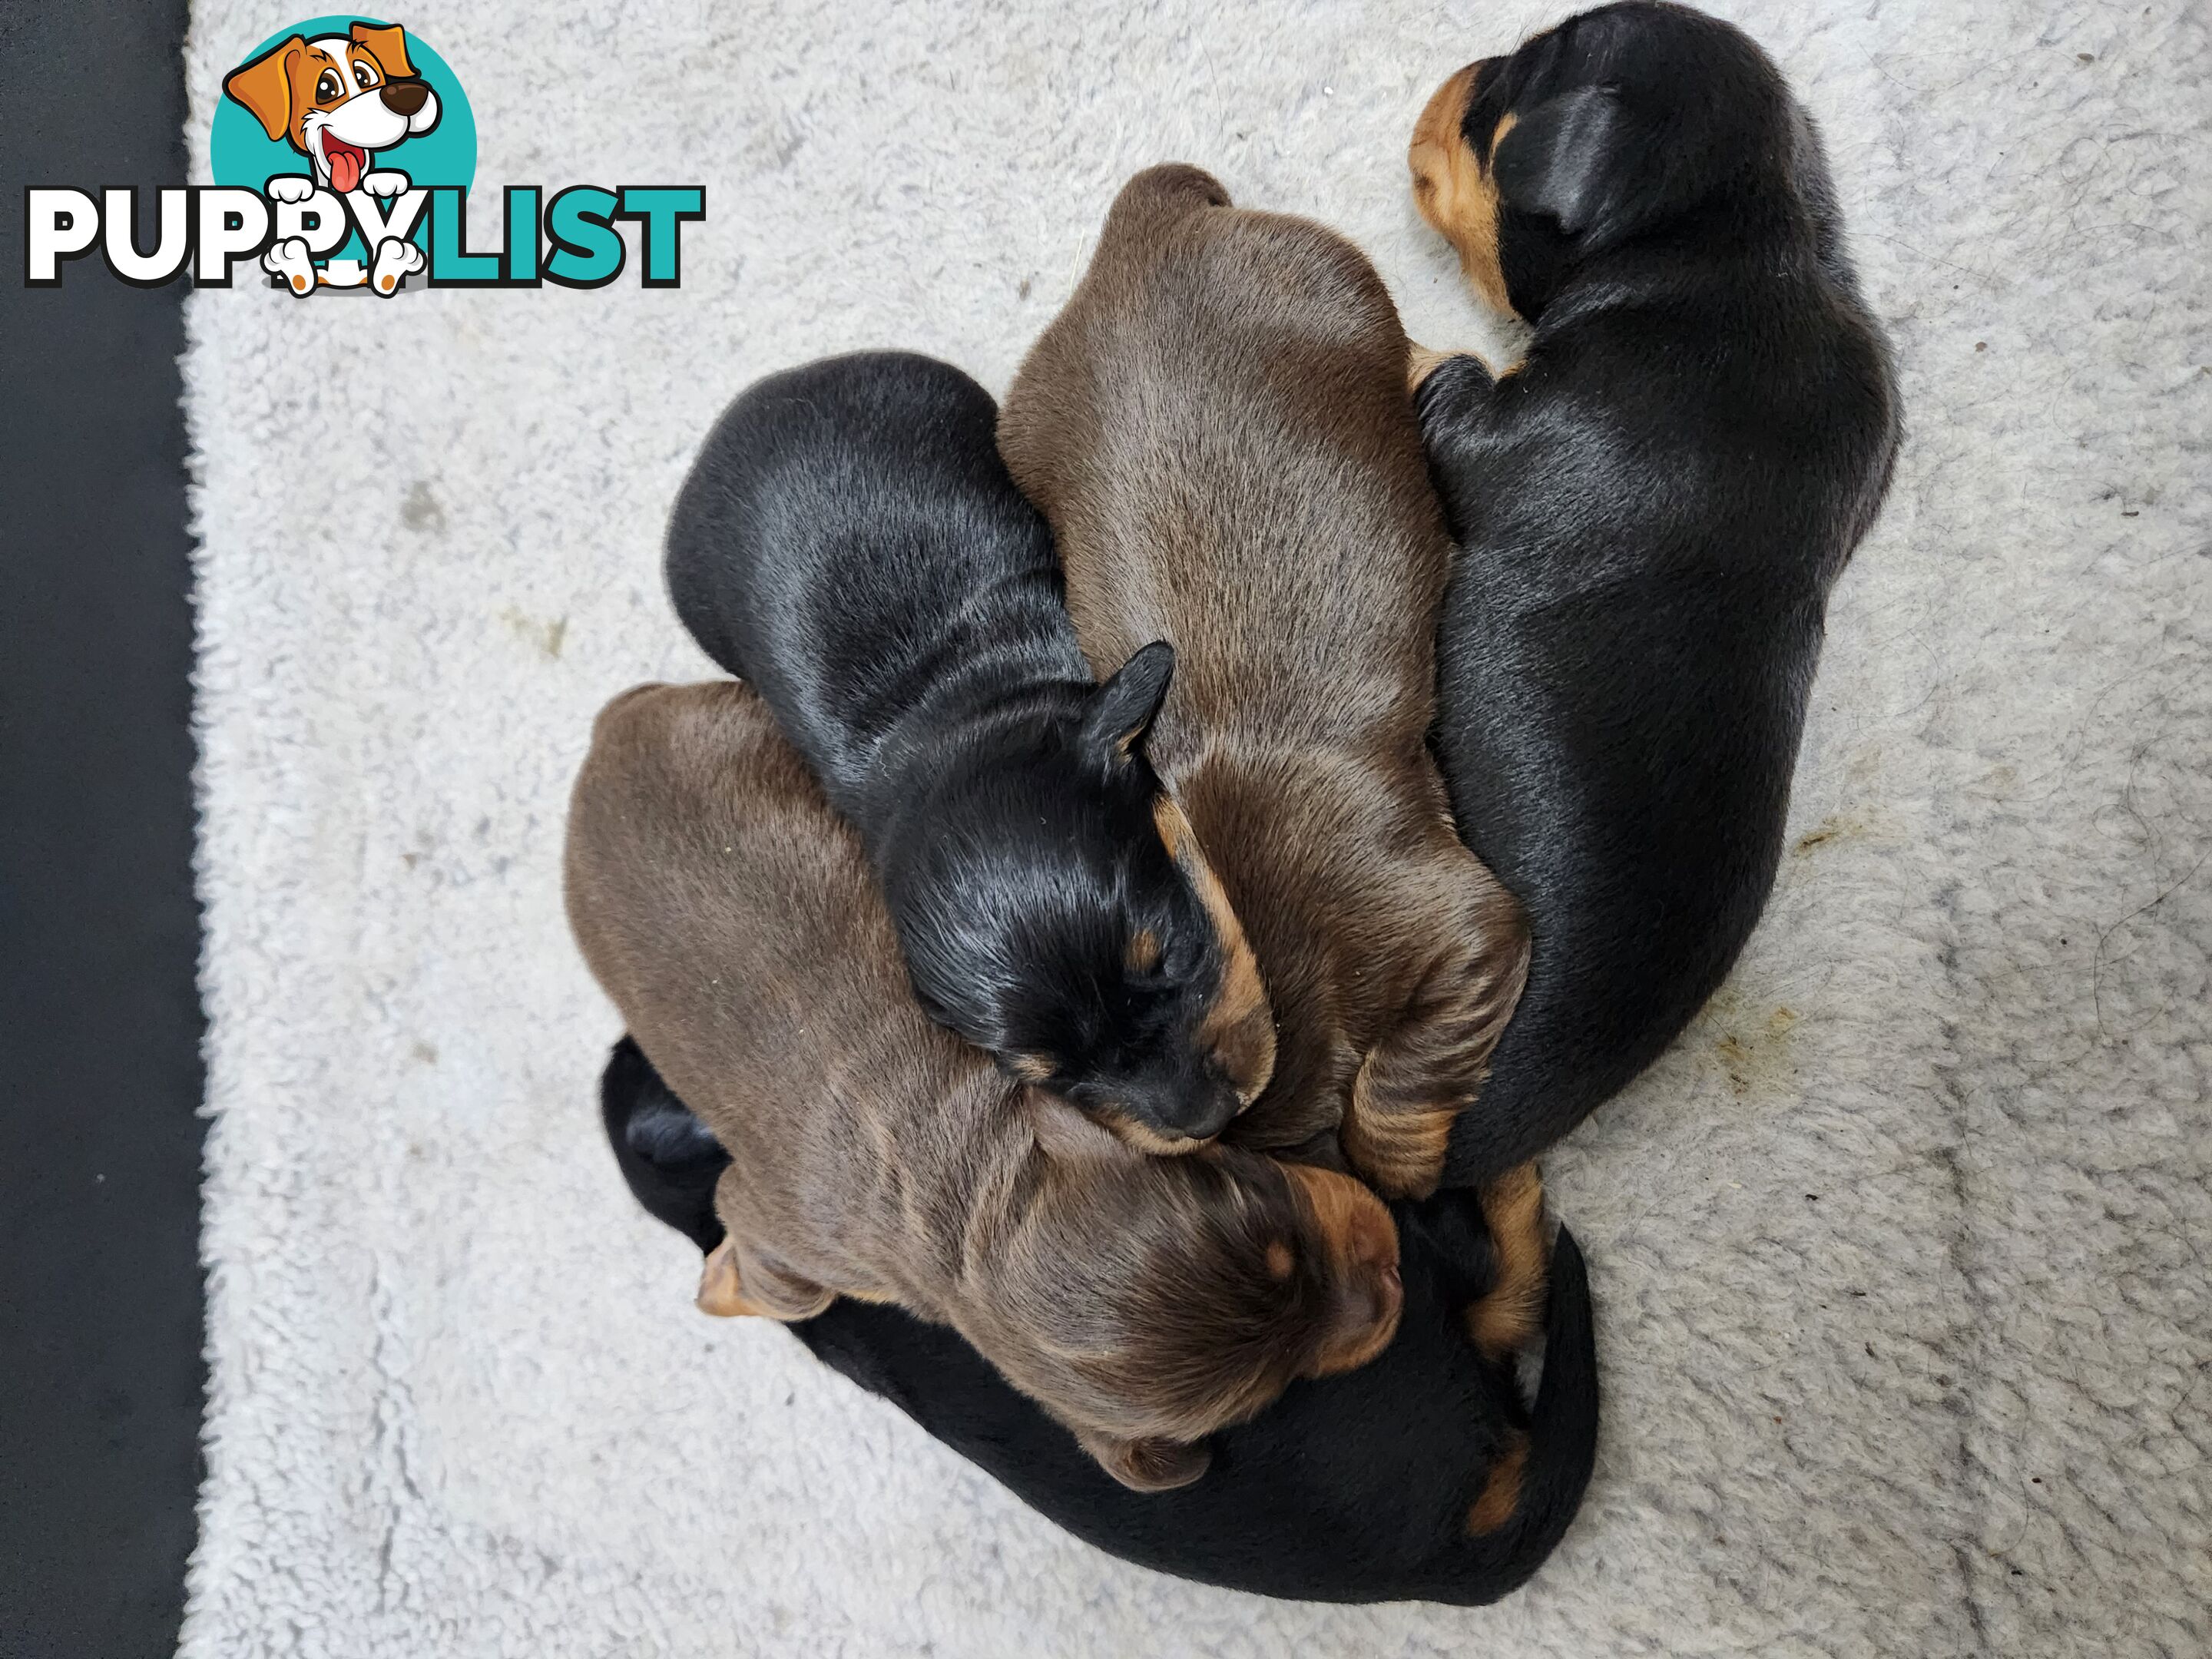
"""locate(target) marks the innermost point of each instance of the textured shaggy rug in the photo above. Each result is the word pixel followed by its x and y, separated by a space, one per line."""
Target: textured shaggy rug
pixel 1901 1254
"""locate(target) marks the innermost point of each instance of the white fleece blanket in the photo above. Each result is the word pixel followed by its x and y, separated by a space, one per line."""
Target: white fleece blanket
pixel 1900 1254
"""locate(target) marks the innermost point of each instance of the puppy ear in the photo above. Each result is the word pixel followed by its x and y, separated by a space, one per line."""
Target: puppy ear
pixel 1601 169
pixel 1126 703
pixel 1151 1465
pixel 1417 1079
pixel 1569 160
pixel 388 45
pixel 264 86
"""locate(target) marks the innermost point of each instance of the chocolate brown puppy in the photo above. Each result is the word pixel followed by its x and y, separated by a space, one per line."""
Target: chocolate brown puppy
pixel 1218 428
pixel 1143 1302
pixel 1423 1474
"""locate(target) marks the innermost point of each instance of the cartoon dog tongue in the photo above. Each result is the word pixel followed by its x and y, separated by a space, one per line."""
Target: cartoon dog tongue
pixel 345 165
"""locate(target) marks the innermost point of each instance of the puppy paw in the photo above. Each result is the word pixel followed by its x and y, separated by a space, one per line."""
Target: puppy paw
pixel 384 182
pixel 288 259
pixel 722 1285
pixel 1510 1316
pixel 289 187
pixel 395 257
pixel 734 1283
pixel 1500 1496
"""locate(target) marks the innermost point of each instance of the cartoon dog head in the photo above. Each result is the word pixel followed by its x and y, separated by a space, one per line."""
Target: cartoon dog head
pixel 338 99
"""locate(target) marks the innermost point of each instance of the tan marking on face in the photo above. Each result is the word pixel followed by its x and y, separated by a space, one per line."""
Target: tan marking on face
pixel 1239 1027
pixel 1362 1245
pixel 1142 953
pixel 1281 1259
pixel 1508 1317
pixel 1456 193
pixel 1501 1489
pixel 1136 1132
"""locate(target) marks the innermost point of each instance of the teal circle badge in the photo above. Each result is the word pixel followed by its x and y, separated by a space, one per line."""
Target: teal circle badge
pixel 350 103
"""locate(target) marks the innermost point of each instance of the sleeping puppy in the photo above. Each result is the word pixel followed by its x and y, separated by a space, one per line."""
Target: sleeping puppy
pixel 730 916
pixel 1421 1475
pixel 1217 427
pixel 1650 509
pixel 849 542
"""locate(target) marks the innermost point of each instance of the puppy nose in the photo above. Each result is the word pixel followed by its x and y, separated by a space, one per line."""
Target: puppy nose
pixel 405 97
pixel 1210 1113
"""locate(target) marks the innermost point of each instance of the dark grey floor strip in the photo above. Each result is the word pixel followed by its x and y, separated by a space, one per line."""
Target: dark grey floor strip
pixel 99 1020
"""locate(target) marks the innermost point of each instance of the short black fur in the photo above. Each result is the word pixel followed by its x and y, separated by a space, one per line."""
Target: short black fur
pixel 1650 512
pixel 670 1159
pixel 1353 1489
pixel 849 542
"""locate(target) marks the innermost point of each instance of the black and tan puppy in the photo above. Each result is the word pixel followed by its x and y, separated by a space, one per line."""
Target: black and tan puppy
pixel 1650 509
pixel 1217 427
pixel 1420 1475
pixel 849 542
pixel 1143 1302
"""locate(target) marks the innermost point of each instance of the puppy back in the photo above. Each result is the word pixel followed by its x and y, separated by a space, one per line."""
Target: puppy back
pixel 1219 429
pixel 730 916
pixel 847 539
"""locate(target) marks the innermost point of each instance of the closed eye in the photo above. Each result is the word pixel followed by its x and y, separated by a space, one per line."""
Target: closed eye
pixel 1142 955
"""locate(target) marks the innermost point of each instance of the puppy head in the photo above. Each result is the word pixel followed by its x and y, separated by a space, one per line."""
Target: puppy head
pixel 338 99
pixel 1616 124
pixel 1149 1302
pixel 1055 910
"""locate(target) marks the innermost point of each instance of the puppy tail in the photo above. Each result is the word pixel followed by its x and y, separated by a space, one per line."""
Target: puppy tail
pixel 1159 196
pixel 1537 1484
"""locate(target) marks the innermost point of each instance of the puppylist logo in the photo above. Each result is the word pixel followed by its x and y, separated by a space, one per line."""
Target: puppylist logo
pixel 342 151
